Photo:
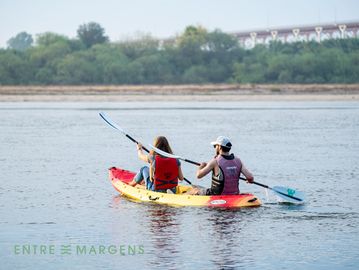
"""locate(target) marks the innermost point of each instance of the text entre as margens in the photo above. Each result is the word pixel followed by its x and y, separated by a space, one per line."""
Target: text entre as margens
pixel 77 249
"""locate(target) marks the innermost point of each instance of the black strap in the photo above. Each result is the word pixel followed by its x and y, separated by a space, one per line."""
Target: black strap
pixel 160 182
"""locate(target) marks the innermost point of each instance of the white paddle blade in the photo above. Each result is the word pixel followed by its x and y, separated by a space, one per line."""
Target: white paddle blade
pixel 163 153
pixel 111 123
pixel 288 195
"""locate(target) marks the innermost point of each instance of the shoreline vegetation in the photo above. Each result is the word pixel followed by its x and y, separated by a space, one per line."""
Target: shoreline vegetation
pixel 195 57
pixel 188 92
pixel 196 65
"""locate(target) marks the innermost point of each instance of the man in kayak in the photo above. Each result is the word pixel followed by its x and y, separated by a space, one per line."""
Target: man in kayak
pixel 226 169
pixel 163 173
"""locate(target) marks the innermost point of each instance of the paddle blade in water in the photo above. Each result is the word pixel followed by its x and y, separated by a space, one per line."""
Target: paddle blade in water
pixel 288 195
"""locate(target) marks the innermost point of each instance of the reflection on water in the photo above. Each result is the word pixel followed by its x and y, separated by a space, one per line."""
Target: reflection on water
pixel 54 185
pixel 224 225
pixel 164 227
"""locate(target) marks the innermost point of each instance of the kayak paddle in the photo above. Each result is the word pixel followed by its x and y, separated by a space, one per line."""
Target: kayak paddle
pixel 283 192
pixel 117 127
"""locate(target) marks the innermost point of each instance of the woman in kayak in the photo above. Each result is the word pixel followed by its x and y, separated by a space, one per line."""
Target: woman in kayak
pixel 163 173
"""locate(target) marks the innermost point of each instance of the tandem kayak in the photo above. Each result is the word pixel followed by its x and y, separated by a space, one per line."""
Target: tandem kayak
pixel 120 179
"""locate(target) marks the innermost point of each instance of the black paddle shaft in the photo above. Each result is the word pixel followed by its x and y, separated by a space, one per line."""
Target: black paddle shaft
pixel 256 183
pixel 265 186
pixel 132 139
pixel 192 162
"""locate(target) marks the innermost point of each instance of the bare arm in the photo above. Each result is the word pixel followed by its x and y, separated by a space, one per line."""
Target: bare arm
pixel 151 173
pixel 206 168
pixel 247 174
pixel 142 156
pixel 180 174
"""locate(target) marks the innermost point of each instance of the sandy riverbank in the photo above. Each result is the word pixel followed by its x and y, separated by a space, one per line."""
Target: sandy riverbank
pixel 212 92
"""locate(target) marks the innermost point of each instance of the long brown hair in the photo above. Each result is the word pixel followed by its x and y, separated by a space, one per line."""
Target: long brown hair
pixel 161 143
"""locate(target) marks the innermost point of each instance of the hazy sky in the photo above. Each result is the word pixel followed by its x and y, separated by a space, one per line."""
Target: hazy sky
pixel 164 18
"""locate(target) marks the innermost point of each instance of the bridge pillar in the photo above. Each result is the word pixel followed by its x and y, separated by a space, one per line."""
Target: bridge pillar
pixel 342 28
pixel 286 38
pixel 161 44
pixel 254 37
pixel 319 30
pixel 274 34
pixel 296 32
pixel 242 42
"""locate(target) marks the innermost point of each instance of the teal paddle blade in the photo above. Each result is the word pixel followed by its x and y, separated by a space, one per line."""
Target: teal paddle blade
pixel 288 195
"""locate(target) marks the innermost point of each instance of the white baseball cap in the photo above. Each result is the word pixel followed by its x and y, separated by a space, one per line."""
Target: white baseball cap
pixel 223 141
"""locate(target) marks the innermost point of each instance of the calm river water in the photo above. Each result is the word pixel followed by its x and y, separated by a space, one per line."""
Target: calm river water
pixel 58 209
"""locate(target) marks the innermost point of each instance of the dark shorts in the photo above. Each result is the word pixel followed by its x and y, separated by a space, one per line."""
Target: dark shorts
pixel 204 191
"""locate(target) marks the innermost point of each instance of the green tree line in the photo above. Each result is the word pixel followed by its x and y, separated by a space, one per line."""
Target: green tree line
pixel 196 56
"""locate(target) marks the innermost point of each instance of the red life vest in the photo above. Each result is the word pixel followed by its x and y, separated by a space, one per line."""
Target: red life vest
pixel 166 173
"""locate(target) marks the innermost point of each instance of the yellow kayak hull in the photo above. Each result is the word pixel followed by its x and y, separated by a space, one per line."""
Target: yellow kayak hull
pixel 120 179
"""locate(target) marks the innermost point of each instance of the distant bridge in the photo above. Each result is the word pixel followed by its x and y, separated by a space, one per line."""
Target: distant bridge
pixel 317 32
pixel 314 32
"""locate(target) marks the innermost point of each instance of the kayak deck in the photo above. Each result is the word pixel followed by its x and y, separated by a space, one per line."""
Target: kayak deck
pixel 120 179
